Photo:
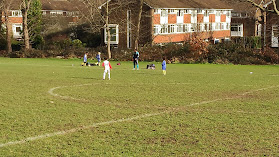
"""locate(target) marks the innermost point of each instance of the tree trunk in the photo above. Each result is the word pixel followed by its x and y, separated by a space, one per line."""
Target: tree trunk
pixel 8 31
pixel 1 15
pixel 108 30
pixel 25 25
pixel 264 22
pixel 138 25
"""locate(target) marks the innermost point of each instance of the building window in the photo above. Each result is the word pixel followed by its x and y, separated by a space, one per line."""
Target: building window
pixel 199 11
pixel 206 27
pixel 180 13
pixel 55 13
pixel 16 13
pixel 194 14
pixel 237 30
pixel 164 29
pixel 218 13
pixel 164 13
pixel 259 30
pixel 156 11
pixel 186 28
pixel 228 26
pixel 239 15
pixel 171 29
pixel 114 37
pixel 201 27
pixel 18 29
pixel 186 11
pixel 222 26
pixel 171 11
pixel 275 36
pixel 156 30
pixel 210 27
pixel 217 26
pixel 228 14
pixel 206 13
pixel 216 41
pixel 179 28
pixel 193 27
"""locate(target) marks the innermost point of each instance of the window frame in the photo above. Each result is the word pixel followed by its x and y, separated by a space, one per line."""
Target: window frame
pixel 116 42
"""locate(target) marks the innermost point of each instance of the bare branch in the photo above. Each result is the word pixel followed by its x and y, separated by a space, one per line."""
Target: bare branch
pixel 275 7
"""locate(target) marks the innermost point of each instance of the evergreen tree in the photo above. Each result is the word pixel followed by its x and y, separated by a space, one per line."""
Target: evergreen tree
pixel 34 19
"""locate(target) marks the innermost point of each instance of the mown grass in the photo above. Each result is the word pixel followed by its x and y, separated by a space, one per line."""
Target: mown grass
pixel 235 125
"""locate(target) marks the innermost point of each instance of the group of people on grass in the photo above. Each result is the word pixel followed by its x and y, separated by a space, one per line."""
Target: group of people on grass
pixel 107 66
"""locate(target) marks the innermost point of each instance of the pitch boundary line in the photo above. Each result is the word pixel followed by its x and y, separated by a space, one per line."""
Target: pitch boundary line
pixel 48 135
pixel 51 91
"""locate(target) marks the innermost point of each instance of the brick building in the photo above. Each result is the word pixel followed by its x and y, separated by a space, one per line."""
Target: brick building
pixel 51 8
pixel 248 20
pixel 165 21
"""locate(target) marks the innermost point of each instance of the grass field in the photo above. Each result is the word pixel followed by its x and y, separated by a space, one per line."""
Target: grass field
pixel 53 107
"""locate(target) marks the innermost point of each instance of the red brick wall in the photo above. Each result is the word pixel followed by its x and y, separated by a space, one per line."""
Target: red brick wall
pixel 216 34
pixel 181 37
pixel 223 18
pixel 156 19
pixel 172 18
pixel 170 38
pixel 221 34
pixel 187 18
pixel 15 19
pixel 211 18
pixel 200 18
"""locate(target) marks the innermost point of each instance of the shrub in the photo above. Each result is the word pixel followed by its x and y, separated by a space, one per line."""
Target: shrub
pixel 3 44
pixel 16 45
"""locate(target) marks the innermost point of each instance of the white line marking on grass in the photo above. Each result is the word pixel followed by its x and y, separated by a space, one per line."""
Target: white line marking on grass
pixel 29 139
pixel 257 90
pixel 51 92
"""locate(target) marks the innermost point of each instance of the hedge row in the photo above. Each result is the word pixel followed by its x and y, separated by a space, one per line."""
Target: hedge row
pixel 194 50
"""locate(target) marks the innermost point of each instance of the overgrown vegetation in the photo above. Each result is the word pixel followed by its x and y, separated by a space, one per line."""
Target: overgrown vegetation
pixel 193 50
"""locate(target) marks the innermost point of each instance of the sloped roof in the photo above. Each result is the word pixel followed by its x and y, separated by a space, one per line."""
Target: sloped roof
pixel 65 5
pixel 205 4
pixel 61 5
pixel 15 4
pixel 242 6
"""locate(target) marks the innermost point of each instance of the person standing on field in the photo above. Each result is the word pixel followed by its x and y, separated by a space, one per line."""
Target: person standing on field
pixel 99 58
pixel 85 59
pixel 164 66
pixel 136 59
pixel 107 67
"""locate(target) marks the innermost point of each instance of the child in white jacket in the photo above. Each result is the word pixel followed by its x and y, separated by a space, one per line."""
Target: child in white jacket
pixel 107 67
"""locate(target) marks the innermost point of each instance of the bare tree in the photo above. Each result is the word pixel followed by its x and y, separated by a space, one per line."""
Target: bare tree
pixel 107 28
pixel 99 16
pixel 6 5
pixel 97 19
pixel 24 10
pixel 138 24
pixel 1 15
pixel 264 7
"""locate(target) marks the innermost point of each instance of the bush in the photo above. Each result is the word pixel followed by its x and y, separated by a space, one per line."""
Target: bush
pixel 3 44
pixel 16 45
pixel 238 53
